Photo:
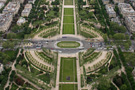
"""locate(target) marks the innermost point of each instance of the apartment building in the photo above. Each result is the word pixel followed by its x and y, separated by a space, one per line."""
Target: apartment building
pixel 21 21
pixel 130 23
pixel 118 1
pixel 110 10
pixel 1 4
pixel 31 1
pixel 21 1
pixel 1 68
pixel 5 21
pixel 26 10
pixel 116 20
pixel 126 9
pixel 12 7
pixel 105 1
pixel 4 1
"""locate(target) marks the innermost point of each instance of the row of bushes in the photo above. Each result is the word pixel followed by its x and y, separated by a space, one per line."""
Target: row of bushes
pixel 117 57
pixel 127 69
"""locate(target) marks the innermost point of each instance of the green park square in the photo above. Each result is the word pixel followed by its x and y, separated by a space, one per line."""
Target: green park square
pixel 68 19
pixel 68 11
pixel 68 87
pixel 68 70
pixel 68 2
pixel 68 29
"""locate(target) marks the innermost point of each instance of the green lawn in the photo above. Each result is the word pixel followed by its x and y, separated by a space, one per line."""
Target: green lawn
pixel 68 22
pixel 68 44
pixel 68 70
pixel 45 57
pixel 68 29
pixel 68 19
pixel 68 87
pixel 68 2
pixel 68 11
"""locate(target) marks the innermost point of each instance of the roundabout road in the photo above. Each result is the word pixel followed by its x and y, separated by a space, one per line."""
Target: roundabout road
pixel 50 44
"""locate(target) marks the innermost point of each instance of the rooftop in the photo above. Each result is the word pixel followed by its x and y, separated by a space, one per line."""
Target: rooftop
pixel 4 18
pixel 126 7
pixel 11 6
pixel 132 18
pixel 110 8
pixel 28 6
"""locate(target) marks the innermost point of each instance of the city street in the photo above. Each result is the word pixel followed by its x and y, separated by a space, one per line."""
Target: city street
pixel 50 44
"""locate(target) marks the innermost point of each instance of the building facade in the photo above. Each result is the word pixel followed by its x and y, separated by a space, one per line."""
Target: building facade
pixel 105 1
pixel 26 10
pixel 1 68
pixel 130 23
pixel 126 9
pixel 5 21
pixel 12 7
pixel 110 10
pixel 118 1
pixel 21 21
pixel 31 1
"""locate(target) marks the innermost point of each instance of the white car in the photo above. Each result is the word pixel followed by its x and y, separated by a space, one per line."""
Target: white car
pixel 59 51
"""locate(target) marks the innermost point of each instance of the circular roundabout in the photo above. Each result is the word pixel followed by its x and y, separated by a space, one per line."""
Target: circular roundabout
pixel 68 44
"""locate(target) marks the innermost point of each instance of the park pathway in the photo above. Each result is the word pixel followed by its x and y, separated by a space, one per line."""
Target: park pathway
pixel 12 68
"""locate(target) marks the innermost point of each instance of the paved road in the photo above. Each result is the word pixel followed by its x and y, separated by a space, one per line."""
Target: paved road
pixel 50 44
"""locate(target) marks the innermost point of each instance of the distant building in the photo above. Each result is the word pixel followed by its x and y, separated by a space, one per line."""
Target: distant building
pixel 21 1
pixel 4 1
pixel 110 10
pixel 126 9
pixel 1 68
pixel 118 1
pixel 1 4
pixel 5 22
pixel 132 0
pixel 31 1
pixel 26 10
pixel 105 1
pixel 116 20
pixel 133 72
pixel 12 7
pixel 21 21
pixel 130 23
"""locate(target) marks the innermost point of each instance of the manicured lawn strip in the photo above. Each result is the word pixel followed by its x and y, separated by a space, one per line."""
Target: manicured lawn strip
pixel 92 57
pixel 86 34
pixel 68 87
pixel 50 34
pixel 45 57
pixel 89 51
pixel 68 2
pixel 45 78
pixel 68 11
pixel 68 29
pixel 68 44
pixel 68 19
pixel 68 69
pixel 36 63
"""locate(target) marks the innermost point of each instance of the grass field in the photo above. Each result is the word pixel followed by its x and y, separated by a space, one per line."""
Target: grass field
pixel 68 19
pixel 68 22
pixel 68 87
pixel 68 2
pixel 68 44
pixel 68 29
pixel 68 70
pixel 68 11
